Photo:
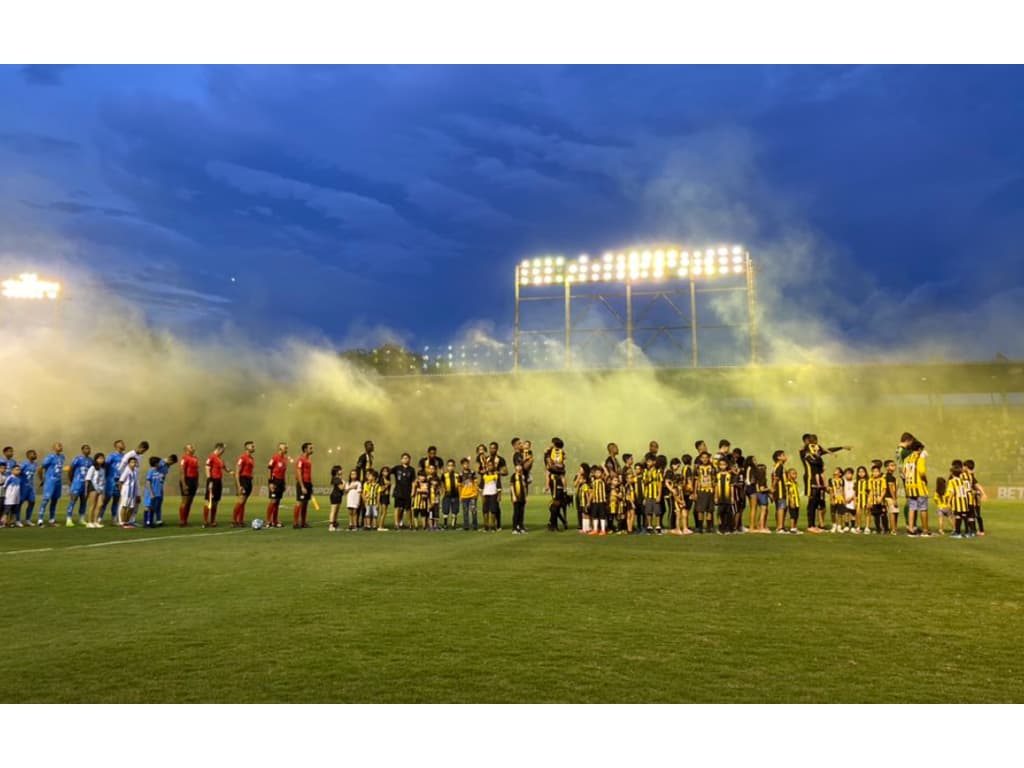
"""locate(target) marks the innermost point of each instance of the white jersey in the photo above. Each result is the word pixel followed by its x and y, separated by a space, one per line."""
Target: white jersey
pixel 98 477
pixel 12 490
pixel 129 485
pixel 355 489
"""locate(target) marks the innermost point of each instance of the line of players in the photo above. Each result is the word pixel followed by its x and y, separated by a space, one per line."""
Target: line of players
pixel 717 489
pixel 614 497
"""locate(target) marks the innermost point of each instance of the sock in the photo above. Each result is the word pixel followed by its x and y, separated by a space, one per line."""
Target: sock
pixel 295 514
pixel 603 526
pixel 586 525
pixel 303 514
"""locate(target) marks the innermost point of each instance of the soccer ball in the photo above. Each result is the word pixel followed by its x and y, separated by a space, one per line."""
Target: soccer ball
pixel 257 524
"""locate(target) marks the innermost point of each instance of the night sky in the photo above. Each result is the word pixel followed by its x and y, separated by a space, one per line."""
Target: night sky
pixel 358 203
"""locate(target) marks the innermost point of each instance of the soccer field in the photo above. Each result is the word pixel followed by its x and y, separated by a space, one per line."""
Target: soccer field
pixel 280 615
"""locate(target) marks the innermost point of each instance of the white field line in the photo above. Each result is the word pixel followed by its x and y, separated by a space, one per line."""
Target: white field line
pixel 123 541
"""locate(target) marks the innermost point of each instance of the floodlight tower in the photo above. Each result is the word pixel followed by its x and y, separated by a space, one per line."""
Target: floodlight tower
pixel 28 287
pixel 654 273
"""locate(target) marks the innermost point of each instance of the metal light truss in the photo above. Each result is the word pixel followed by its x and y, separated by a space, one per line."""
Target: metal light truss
pixel 663 273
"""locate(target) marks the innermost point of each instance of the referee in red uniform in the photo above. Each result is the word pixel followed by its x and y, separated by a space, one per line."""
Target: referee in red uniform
pixel 189 483
pixel 303 485
pixel 243 475
pixel 214 485
pixel 277 471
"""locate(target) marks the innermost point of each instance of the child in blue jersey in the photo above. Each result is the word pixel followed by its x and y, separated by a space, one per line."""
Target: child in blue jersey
pixel 52 468
pixel 112 493
pixel 154 498
pixel 28 487
pixel 77 470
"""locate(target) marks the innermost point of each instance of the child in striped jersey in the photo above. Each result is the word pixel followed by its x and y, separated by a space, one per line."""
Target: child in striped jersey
pixel 835 492
pixel 371 499
pixel 941 502
pixel 862 506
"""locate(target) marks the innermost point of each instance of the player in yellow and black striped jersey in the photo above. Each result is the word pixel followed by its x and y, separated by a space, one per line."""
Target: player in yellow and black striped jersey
pixel 779 459
pixel 371 499
pixel 835 495
pixel 958 498
pixel 892 495
pixel 581 487
pixel 977 494
pixel 652 482
pixel 420 501
pixel 723 496
pixel 630 497
pixel 792 499
pixel 616 505
pixel 518 492
pixel 862 501
pixel 598 501
pixel 704 493
pixel 876 499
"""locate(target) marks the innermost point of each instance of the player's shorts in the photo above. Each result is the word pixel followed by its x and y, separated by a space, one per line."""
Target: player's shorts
pixel 704 502
pixel 371 511
pixel 90 487
pixel 762 499
pixel 51 490
pixel 214 488
pixel 944 512
pixel 77 490
pixel 652 508
pixel 599 511
pixel 191 486
pixel 917 503
pixel 385 499
pixel 419 512
pixel 245 483
pixel 276 489
pixel 28 493
pixel 336 498
pixel 301 494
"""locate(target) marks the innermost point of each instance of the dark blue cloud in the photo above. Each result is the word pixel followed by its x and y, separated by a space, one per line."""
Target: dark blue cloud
pixel 44 74
pixel 354 199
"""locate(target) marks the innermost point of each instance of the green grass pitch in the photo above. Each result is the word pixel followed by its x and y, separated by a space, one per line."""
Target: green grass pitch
pixel 283 615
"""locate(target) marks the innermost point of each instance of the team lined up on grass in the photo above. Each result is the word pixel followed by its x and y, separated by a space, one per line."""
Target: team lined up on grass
pixel 616 496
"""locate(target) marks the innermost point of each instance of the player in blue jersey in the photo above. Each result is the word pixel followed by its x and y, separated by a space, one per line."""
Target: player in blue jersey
pixel 8 459
pixel 154 496
pixel 77 470
pixel 112 493
pixel 28 485
pixel 52 471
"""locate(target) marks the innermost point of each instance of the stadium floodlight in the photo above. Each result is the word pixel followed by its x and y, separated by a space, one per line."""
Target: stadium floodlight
pixel 29 286
pixel 654 263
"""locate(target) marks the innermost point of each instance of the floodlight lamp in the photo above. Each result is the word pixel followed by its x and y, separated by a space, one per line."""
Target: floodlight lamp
pixel 659 254
pixel 737 259
pixel 697 269
pixel 547 270
pixel 559 261
pixel 737 250
pixel 738 269
pixel 608 256
pixel 572 269
pixel 584 257
pixel 583 277
pixel 547 262
pixel 709 252
pixel 685 256
pixel 558 278
pixel 682 271
pixel 634 256
pixel 524 281
pixel 710 269
pixel 536 262
pixel 526 263
pixel 723 260
pixel 722 251
pixel 658 273
pixel 643 275
pixel 672 253
pixel 547 280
